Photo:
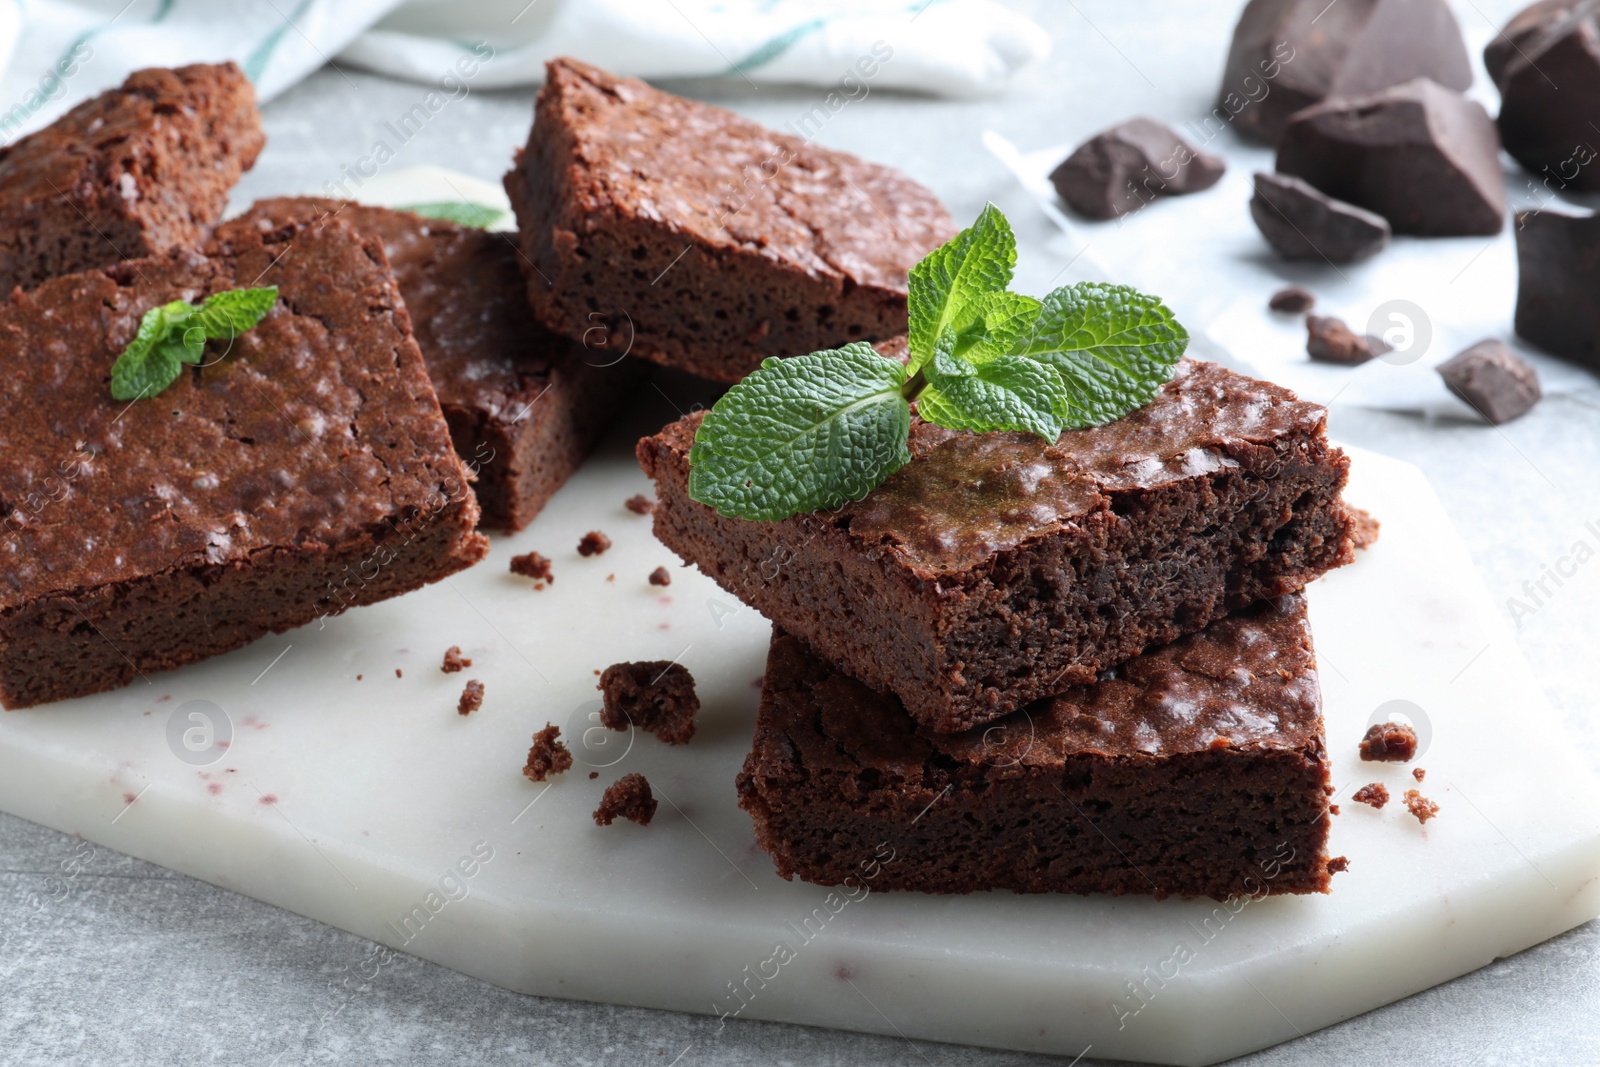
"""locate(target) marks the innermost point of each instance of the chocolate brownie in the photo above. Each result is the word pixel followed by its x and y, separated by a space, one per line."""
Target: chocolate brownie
pixel 995 569
pixel 525 406
pixel 698 239
pixel 139 170
pixel 302 469
pixel 1196 769
pixel 657 696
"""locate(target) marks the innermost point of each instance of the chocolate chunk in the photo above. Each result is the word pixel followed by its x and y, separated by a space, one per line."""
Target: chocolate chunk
pixel 593 543
pixel 628 797
pixel 1498 383
pixel 1293 299
pixel 1516 36
pixel 548 755
pixel 1329 340
pixel 1550 99
pixel 1119 170
pixel 1289 54
pixel 1420 806
pixel 1389 742
pixel 1423 157
pixel 471 698
pixel 656 695
pixel 1374 793
pixel 1558 263
pixel 1302 222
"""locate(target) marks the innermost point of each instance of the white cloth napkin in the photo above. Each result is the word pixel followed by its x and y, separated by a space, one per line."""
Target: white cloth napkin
pixel 58 52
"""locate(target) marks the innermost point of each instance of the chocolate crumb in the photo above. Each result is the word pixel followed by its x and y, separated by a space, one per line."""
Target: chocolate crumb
pixel 1333 809
pixel 454 660
pixel 593 543
pixel 358 677
pixel 593 775
pixel 611 577
pixel 1389 742
pixel 548 755
pixel 1329 340
pixel 532 565
pixel 1338 864
pixel 1420 806
pixel 628 797
pixel 1374 793
pixel 659 576
pixel 1364 533
pixel 397 673
pixel 640 504
pixel 1418 773
pixel 657 696
pixel 471 698
pixel 1294 298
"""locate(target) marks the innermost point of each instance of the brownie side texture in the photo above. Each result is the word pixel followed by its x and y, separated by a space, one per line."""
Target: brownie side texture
pixel 300 470
pixel 1196 769
pixel 525 405
pixel 701 240
pixel 138 170
pixel 994 569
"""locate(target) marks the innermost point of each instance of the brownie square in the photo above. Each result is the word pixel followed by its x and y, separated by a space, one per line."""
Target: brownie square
pixel 996 569
pixel 1196 769
pixel 525 406
pixel 302 469
pixel 701 240
pixel 138 170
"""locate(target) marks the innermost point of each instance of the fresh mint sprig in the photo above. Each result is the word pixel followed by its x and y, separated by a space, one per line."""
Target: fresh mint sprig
pixel 814 432
pixel 174 334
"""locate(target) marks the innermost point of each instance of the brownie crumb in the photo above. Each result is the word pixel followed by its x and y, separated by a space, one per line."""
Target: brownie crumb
pixel 1389 742
pixel 1338 864
pixel 548 755
pixel 593 775
pixel 1364 531
pixel 358 677
pixel 1329 340
pixel 657 696
pixel 532 566
pixel 1374 793
pixel 659 576
pixel 398 673
pixel 1418 773
pixel 1333 809
pixel 1294 298
pixel 454 660
pixel 1420 806
pixel 628 797
pixel 471 698
pixel 611 577
pixel 593 543
pixel 640 504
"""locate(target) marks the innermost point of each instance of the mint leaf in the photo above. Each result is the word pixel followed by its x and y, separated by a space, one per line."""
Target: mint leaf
pixel 988 326
pixel 175 333
pixel 1113 346
pixel 1006 393
pixel 463 212
pixel 977 261
pixel 802 434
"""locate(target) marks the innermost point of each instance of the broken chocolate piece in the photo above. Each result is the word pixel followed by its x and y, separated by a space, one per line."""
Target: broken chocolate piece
pixel 454 660
pixel 1302 222
pixel 1498 384
pixel 1294 299
pixel 1558 275
pixel 1118 171
pixel 1420 806
pixel 628 797
pixel 1550 100
pixel 656 695
pixel 593 543
pixel 1329 340
pixel 1374 793
pixel 548 755
pixel 1289 54
pixel 1389 742
pixel 1516 36
pixel 532 565
pixel 471 698
pixel 1423 157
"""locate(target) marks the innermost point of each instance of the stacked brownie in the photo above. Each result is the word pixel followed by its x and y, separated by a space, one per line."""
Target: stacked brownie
pixel 1079 665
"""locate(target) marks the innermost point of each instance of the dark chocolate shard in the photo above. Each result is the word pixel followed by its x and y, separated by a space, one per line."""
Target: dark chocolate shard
pixel 1121 169
pixel 1290 54
pixel 1558 283
pixel 1515 36
pixel 1294 298
pixel 1302 222
pixel 1329 340
pixel 1495 381
pixel 1550 101
pixel 1425 158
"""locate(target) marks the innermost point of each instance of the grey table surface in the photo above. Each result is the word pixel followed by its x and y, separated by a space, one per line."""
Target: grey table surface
pixel 135 964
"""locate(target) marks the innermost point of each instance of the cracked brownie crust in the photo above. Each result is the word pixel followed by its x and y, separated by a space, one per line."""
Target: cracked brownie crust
pixel 138 170
pixel 1196 769
pixel 303 469
pixel 994 570
pixel 701 240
